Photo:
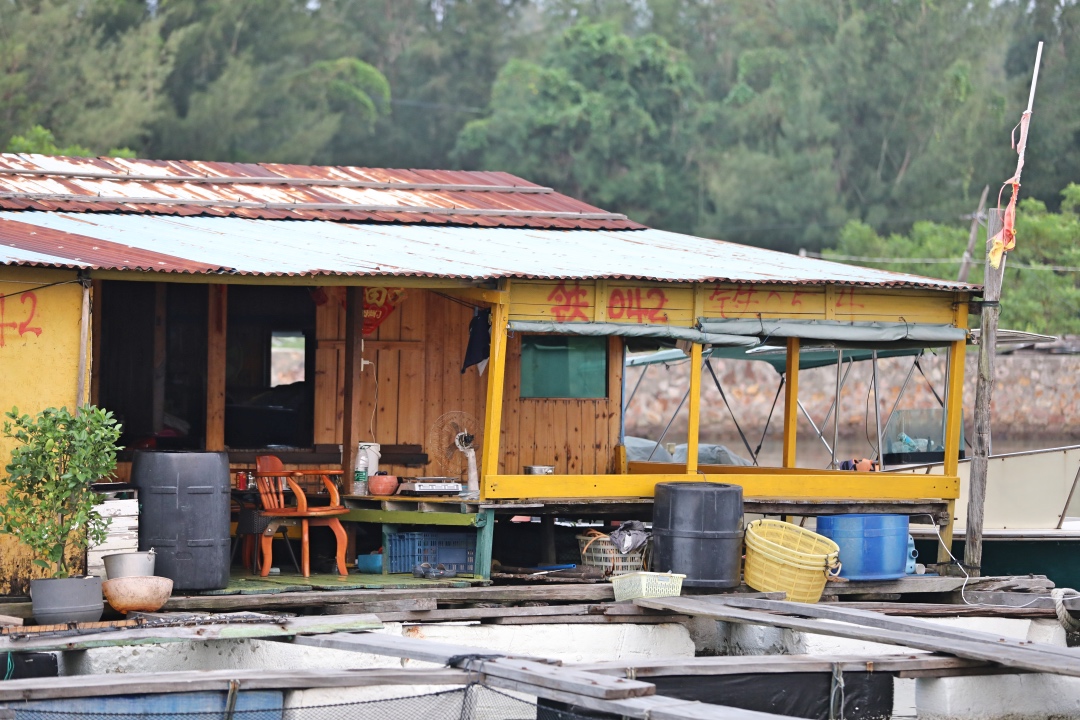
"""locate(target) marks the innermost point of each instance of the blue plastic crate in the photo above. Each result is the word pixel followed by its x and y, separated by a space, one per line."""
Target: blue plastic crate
pixel 454 550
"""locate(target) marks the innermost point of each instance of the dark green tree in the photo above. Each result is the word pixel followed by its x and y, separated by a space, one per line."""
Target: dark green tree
pixel 1041 289
pixel 609 118
pixel 254 80
pixel 75 68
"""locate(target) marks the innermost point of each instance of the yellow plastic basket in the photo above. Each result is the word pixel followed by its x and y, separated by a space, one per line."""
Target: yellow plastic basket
pixel 785 557
pixel 597 550
pixel 646 585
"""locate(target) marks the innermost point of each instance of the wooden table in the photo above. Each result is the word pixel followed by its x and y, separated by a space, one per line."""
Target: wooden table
pixel 451 511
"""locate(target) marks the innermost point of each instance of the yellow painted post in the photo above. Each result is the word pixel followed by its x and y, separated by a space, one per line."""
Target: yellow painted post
pixel 954 408
pixel 695 410
pixel 489 465
pixel 791 401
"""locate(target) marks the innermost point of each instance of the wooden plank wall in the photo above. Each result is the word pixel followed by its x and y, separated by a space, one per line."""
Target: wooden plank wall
pixel 416 372
pixel 415 375
pixel 577 436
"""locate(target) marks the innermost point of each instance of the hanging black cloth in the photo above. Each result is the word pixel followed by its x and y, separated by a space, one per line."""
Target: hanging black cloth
pixel 479 348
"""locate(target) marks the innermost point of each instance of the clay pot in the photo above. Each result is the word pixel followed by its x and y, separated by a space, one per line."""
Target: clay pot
pixel 382 484
pixel 146 593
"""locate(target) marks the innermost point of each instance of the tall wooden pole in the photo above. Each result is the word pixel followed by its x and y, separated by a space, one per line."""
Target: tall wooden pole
pixel 354 363
pixel 973 236
pixel 217 335
pixel 984 389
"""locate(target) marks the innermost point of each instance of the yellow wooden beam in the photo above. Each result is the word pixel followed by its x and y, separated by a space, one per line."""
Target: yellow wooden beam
pixel 692 430
pixel 496 382
pixel 839 486
pixel 954 409
pixel 791 401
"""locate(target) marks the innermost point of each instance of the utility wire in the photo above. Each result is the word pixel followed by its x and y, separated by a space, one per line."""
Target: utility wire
pixel 931 261
pixel 39 287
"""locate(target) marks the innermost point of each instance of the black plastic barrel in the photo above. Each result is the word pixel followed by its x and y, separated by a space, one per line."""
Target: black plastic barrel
pixel 698 531
pixel 184 515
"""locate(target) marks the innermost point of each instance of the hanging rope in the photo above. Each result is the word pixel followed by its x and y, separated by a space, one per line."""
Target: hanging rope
pixel 836 695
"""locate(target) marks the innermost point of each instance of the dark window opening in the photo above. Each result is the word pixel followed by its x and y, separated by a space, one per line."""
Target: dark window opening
pixel 269 395
pixel 152 367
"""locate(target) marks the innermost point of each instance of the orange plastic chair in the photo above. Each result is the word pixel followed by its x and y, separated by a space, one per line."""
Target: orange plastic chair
pixel 272 479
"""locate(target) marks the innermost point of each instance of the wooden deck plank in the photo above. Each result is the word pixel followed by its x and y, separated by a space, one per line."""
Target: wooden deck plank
pixel 397 646
pixel 151 636
pixel 600 592
pixel 871 619
pixel 1033 657
pixel 781 664
pixel 589 619
pixel 561 678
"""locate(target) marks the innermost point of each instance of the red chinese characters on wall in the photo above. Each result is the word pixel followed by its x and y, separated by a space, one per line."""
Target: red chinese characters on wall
pixel 845 300
pixel 753 300
pixel 736 300
pixel 379 304
pixel 643 305
pixel 17 320
pixel 569 302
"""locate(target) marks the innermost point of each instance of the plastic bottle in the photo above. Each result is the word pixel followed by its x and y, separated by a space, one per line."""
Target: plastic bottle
pixel 909 444
pixel 360 477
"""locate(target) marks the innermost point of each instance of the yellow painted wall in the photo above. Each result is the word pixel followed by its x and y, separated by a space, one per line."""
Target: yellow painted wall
pixel 634 302
pixel 39 364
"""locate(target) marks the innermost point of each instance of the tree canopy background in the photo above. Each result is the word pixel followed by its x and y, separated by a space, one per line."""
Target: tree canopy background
pixel 788 124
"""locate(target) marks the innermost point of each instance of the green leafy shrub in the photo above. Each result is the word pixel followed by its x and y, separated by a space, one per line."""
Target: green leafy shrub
pixel 48 502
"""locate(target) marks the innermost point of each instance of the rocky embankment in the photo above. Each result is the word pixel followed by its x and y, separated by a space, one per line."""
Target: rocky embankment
pixel 1036 395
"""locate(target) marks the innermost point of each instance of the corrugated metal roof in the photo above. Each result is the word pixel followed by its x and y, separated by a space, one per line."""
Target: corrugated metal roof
pixel 302 192
pixel 274 247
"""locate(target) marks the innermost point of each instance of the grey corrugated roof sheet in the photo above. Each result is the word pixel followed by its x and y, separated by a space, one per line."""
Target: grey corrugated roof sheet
pixel 173 244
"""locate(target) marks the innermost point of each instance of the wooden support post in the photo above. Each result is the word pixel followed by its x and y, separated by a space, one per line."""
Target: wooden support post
pixel 485 534
pixel 217 326
pixel 496 382
pixel 954 407
pixel 984 389
pixel 791 402
pixel 84 346
pixel 965 261
pixel 694 408
pixel 354 352
pixel 95 341
pixel 547 539
pixel 157 398
pixel 387 531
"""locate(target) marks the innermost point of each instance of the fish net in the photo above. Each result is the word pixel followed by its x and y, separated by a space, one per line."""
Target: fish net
pixel 471 702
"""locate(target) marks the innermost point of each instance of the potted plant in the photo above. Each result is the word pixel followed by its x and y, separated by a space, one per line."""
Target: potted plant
pixel 49 504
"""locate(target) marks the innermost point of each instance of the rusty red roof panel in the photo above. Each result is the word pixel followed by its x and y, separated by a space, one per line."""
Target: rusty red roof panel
pixel 274 191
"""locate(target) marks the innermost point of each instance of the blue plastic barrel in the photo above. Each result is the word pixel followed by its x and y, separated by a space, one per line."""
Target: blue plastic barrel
pixel 872 547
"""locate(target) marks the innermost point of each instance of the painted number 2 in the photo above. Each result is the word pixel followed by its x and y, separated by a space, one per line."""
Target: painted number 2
pixel 28 305
pixel 634 304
